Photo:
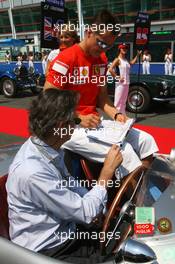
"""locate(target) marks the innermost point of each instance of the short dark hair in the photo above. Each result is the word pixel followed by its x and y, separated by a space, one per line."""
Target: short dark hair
pixel 105 17
pixel 50 107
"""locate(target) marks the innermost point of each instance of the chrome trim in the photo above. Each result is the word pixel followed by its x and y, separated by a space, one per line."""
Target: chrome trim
pixel 163 99
pixel 135 251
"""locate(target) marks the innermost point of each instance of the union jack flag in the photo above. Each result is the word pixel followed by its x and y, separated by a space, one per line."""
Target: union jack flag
pixel 47 28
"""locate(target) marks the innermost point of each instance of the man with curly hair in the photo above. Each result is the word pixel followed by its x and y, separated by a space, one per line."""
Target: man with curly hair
pixel 45 202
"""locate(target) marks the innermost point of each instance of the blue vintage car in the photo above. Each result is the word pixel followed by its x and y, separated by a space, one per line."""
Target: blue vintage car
pixel 14 79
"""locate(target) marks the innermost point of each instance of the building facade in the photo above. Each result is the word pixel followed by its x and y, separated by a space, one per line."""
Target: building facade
pixel 22 18
pixel 161 11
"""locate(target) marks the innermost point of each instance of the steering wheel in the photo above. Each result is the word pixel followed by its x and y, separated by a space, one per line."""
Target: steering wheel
pixel 129 185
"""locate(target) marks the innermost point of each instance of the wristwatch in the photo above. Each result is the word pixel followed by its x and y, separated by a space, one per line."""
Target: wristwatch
pixel 77 120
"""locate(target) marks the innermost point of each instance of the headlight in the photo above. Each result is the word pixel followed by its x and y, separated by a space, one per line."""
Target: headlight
pixel 16 71
pixel 164 84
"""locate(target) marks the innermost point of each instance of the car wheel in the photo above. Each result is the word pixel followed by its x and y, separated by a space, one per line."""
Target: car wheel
pixel 36 90
pixel 8 87
pixel 138 98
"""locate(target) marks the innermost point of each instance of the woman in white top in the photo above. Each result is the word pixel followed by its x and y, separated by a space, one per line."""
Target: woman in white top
pixel 122 78
pixel 7 57
pixel 30 59
pixel 44 61
pixel 146 58
pixel 19 61
pixel 67 38
pixel 168 62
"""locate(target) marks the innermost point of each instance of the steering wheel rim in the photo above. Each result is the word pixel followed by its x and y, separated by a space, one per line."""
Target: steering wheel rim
pixel 130 180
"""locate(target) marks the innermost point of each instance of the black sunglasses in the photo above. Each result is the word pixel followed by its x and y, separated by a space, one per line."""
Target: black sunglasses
pixel 103 45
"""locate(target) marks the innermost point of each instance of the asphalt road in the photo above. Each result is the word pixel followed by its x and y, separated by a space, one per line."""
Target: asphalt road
pixel 159 116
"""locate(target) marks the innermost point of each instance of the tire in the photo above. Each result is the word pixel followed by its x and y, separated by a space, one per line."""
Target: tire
pixel 8 88
pixel 143 99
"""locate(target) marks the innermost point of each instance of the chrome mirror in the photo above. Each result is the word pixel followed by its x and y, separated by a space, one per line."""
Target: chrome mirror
pixel 135 252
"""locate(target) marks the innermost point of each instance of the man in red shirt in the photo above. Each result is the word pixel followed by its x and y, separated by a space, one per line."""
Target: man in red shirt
pixel 81 73
pixel 81 68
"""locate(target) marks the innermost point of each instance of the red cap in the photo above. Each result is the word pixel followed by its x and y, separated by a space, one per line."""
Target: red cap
pixel 123 46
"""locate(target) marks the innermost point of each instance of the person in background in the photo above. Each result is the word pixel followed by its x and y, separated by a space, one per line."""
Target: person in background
pixel 67 38
pixel 120 70
pixel 168 62
pixel 46 204
pixel 19 60
pixel 146 58
pixel 30 58
pixel 44 61
pixel 7 57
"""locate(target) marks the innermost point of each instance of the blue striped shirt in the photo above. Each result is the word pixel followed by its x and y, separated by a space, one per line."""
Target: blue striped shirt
pixel 46 202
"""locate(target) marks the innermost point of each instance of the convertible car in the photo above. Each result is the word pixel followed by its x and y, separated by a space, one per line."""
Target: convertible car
pixel 146 91
pixel 153 190
pixel 15 79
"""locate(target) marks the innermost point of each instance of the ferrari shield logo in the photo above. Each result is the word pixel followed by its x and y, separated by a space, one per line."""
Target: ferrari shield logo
pixel 98 69
pixel 84 71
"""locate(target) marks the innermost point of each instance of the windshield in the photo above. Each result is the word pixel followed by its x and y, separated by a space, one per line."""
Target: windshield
pixel 158 191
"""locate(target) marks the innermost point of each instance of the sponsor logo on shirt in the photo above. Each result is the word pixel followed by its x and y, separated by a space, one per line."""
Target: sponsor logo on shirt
pixel 84 71
pixel 98 69
pixel 76 71
pixel 60 67
pixel 80 74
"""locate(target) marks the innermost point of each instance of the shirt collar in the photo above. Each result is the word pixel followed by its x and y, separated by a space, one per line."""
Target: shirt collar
pixel 54 154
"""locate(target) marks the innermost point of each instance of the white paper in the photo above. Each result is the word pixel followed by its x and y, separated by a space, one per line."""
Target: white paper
pixel 110 132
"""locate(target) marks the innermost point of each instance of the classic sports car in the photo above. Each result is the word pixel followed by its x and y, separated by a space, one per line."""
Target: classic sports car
pixel 146 90
pixel 15 79
pixel 154 189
